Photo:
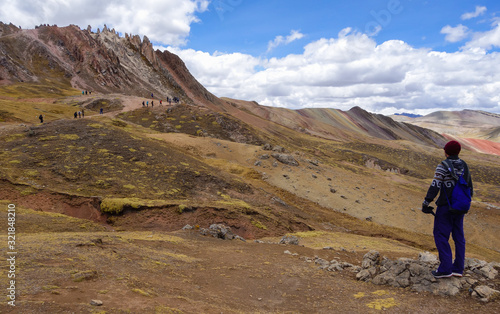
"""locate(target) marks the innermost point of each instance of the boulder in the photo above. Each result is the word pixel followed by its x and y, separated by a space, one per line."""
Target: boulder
pixel 370 259
pixel 278 149
pixel 427 257
pixel 285 159
pixel 221 231
pixel 293 240
pixel 485 293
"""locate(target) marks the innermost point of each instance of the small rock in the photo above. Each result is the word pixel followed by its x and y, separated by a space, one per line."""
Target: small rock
pixel 278 149
pixel 427 257
pixel 237 237
pixel 485 293
pixel 187 227
pixel 278 200
pixel 96 302
pixel 321 262
pixel 313 162
pixel 293 240
pixel 267 147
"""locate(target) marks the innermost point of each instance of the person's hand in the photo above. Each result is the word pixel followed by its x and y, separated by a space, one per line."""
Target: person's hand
pixel 426 209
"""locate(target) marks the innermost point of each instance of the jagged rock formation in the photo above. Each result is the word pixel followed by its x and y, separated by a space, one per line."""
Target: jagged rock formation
pixel 101 61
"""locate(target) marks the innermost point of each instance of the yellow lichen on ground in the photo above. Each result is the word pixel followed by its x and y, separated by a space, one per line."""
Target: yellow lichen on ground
pixel 380 304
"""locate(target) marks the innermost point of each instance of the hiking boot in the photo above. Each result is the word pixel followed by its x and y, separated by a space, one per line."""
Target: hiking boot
pixel 438 275
pixel 456 274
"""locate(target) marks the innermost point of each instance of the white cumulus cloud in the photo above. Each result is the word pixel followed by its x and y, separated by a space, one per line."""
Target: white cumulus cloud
pixel 485 40
pixel 353 70
pixel 280 40
pixel 480 10
pixel 455 34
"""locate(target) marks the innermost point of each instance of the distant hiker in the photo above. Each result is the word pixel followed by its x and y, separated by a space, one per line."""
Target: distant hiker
pixel 147 103
pixel 143 104
pixel 79 114
pixel 76 114
pixel 152 104
pixel 83 92
pixel 161 103
pixel 445 221
pixel 83 114
pixel 152 95
pixel 90 92
pixel 101 111
pixel 86 92
pixel 41 118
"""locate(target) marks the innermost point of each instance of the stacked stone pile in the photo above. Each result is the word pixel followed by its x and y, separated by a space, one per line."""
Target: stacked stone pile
pixel 416 274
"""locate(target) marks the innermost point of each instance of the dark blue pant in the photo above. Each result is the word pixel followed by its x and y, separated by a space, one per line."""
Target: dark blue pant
pixel 446 223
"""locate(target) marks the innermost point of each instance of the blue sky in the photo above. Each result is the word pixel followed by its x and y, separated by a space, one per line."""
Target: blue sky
pixel 247 26
pixel 385 56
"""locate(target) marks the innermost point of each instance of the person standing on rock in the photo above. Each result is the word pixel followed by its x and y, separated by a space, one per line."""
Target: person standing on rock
pixel 446 222
pixel 76 114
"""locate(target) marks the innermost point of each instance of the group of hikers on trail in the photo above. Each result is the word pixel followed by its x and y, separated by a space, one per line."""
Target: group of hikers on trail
pixel 79 114
pixel 169 100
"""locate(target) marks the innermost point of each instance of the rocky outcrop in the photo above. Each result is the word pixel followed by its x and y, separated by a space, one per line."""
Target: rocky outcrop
pixel 416 275
pixel 101 61
pixel 219 231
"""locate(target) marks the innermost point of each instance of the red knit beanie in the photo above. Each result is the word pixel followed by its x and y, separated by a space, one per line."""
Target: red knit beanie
pixel 452 148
